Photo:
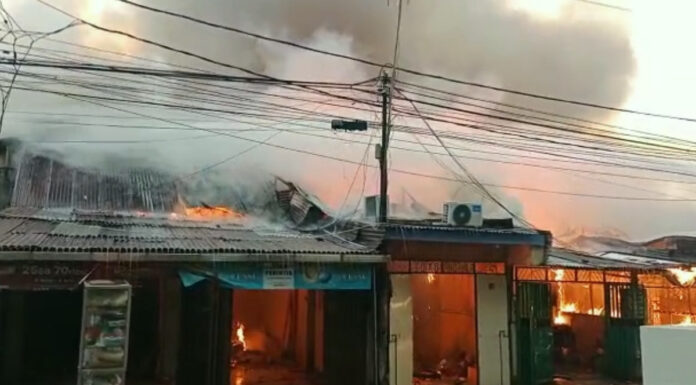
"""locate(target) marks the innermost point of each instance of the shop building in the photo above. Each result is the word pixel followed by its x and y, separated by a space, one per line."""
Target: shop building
pixel 302 304
pixel 451 318
pixel 578 316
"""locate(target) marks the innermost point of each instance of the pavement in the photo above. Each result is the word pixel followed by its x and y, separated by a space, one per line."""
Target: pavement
pixel 590 379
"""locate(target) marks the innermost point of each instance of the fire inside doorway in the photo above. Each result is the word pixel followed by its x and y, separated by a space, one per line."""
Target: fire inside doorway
pixel 300 324
pixel 578 326
pixel 444 329
pixel 575 323
pixel 561 322
pixel 299 337
pixel 277 336
pixel 449 326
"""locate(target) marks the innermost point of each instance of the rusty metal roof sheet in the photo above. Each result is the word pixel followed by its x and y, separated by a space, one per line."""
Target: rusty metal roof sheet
pixel 43 231
pixel 43 182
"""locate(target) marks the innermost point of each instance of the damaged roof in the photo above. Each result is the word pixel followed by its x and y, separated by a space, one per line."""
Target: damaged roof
pixel 44 182
pixel 156 237
pixel 654 259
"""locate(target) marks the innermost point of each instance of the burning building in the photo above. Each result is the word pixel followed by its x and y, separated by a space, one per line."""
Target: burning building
pixel 580 314
pixel 451 293
pixel 218 297
pixel 449 312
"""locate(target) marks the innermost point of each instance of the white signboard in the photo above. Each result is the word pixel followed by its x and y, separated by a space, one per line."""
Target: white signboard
pixel 279 278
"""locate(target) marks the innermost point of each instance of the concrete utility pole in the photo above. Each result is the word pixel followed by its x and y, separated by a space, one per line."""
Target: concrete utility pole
pixel 381 150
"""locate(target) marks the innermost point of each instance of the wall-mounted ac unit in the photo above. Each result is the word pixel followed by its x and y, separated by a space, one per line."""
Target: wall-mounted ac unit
pixel 372 206
pixel 462 214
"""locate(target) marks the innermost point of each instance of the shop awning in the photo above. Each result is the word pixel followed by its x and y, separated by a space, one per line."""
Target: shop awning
pixel 311 276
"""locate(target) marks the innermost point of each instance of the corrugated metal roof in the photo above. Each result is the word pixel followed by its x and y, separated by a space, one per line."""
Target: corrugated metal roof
pixel 443 227
pixel 609 260
pixel 21 231
pixel 44 182
pixel 426 231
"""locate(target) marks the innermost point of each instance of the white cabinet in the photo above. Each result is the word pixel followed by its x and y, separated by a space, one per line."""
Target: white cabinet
pixel 667 354
pixel 104 335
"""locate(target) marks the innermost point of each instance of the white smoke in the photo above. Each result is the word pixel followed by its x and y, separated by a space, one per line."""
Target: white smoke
pixel 574 56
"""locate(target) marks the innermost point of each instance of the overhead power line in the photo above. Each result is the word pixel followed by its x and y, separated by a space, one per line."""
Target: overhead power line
pixel 605 5
pixel 187 53
pixel 86 98
pixel 170 73
pixel 201 109
pixel 474 180
pixel 638 143
pixel 402 69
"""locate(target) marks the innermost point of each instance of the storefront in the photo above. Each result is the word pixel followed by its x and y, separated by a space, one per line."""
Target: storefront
pixel 450 304
pixel 580 315
pixel 303 323
pixel 41 309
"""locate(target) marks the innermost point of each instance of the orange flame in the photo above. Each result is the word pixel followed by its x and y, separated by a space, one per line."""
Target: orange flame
pixel 569 308
pixel 560 318
pixel 240 336
pixel 564 306
pixel 212 212
pixel 431 277
pixel 687 321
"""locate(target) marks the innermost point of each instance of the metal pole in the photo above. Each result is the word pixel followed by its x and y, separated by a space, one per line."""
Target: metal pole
pixel 375 324
pixel 383 150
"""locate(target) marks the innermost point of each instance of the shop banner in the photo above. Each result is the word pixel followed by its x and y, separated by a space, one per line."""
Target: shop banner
pixel 301 276
pixel 45 275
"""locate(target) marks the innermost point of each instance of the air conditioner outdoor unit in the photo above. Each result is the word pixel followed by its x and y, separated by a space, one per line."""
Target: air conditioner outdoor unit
pixel 372 206
pixel 462 214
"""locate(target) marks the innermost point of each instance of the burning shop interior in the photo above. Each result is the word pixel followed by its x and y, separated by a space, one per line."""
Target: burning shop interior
pixel 444 328
pixel 585 319
pixel 578 324
pixel 561 320
pixel 300 337
pixel 143 218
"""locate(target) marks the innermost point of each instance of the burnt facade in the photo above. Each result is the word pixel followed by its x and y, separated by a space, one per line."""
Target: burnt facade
pixel 181 329
pixel 451 315
pixel 194 279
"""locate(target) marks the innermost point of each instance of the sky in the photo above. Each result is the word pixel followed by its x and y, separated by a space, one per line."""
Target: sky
pixel 567 48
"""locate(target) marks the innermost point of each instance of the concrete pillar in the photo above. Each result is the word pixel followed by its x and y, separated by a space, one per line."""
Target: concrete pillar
pixel 170 325
pixel 13 338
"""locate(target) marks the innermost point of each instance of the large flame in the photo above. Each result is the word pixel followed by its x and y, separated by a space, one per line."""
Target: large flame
pixel 240 335
pixel 687 321
pixel 686 277
pixel 564 306
pixel 211 212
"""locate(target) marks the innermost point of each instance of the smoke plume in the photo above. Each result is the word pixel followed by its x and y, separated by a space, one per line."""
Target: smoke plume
pixel 571 56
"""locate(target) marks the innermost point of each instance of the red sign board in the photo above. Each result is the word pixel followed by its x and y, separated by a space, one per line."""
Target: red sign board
pixel 442 267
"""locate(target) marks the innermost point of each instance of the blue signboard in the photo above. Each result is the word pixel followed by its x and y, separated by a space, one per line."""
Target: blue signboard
pixel 300 276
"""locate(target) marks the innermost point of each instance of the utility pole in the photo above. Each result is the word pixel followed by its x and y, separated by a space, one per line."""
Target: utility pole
pixel 382 148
